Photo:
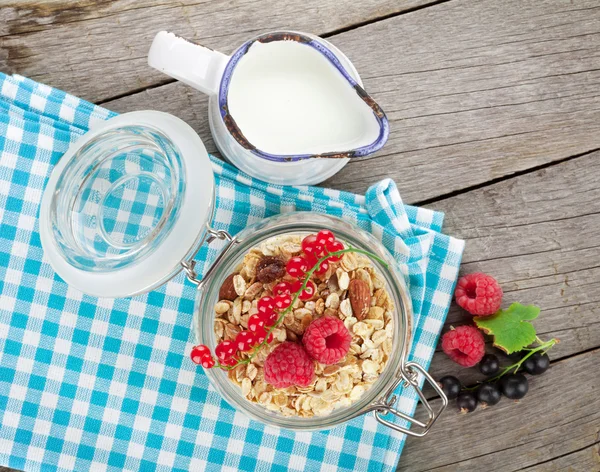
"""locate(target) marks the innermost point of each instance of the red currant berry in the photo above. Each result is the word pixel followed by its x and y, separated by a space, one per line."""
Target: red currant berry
pixel 322 268
pixel 208 362
pixel 296 286
pixel 297 266
pixel 261 334
pixel 230 362
pixel 225 350
pixel 308 292
pixel 270 319
pixel 283 300
pixel 311 260
pixel 245 340
pixel 255 322
pixel 334 246
pixel 265 305
pixel 325 237
pixel 198 352
pixel 281 288
pixel 311 247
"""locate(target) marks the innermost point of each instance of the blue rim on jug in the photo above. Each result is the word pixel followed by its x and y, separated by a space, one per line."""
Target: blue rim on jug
pixel 237 134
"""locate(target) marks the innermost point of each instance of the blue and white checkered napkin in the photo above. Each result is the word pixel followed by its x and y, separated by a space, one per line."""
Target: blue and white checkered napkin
pixel 107 384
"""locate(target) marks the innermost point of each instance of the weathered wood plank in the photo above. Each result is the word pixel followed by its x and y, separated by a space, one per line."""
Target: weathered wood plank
pixel 469 101
pixel 98 50
pixel 587 459
pixel 478 90
pixel 559 415
pixel 537 234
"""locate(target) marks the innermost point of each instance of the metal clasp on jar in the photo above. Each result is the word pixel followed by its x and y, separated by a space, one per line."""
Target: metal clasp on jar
pixel 409 376
pixel 211 235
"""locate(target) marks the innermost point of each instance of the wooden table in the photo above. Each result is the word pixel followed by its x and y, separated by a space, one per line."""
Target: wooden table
pixel 495 117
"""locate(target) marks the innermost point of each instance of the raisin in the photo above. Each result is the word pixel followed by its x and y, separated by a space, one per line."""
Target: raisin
pixel 269 269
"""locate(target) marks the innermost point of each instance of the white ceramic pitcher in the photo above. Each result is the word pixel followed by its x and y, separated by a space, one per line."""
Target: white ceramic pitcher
pixel 285 107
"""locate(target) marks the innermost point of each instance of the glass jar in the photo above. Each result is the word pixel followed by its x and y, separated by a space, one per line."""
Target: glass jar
pixel 379 399
pixel 150 173
pixel 119 213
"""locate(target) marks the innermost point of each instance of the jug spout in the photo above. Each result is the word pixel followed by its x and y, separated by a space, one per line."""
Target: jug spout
pixel 196 65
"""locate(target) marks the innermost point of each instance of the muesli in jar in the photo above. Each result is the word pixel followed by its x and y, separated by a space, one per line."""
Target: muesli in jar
pixel 304 325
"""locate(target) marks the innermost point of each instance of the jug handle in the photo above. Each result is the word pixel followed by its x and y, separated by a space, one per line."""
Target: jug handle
pixel 196 65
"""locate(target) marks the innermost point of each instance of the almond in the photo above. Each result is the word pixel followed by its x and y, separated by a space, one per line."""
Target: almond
pixel 227 291
pixel 359 295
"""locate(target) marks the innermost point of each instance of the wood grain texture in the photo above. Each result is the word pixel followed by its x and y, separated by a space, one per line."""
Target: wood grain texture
pixel 559 415
pixel 475 91
pixel 537 234
pixel 586 459
pixel 97 50
pixel 478 90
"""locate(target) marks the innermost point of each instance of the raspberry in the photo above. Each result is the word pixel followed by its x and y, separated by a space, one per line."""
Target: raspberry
pixel 327 340
pixel 288 364
pixel 464 345
pixel 479 294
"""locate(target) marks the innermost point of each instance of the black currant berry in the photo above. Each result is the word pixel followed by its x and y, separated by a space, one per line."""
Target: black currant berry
pixel 489 365
pixel 514 386
pixel 450 385
pixel 537 364
pixel 466 402
pixel 488 394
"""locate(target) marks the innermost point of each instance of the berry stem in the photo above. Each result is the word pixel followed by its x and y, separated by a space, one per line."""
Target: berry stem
pixel 544 346
pixel 307 277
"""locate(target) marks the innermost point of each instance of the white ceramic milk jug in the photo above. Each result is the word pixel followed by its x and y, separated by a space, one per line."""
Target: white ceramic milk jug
pixel 285 107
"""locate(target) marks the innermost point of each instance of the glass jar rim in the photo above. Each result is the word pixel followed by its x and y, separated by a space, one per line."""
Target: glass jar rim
pixel 306 222
pixel 181 242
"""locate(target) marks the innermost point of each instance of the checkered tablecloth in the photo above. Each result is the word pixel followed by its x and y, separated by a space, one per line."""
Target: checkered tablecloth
pixel 106 384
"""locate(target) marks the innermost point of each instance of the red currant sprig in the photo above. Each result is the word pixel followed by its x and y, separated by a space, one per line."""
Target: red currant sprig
pixel 201 355
pixel 320 245
pixel 319 251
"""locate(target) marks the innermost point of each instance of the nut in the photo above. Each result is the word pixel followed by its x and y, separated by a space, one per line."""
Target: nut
pixel 239 285
pixel 222 307
pixel 343 279
pixel 270 269
pixel 333 301
pixel 375 313
pixel 227 290
pixel 345 309
pixel 320 306
pixel 251 371
pixel 360 298
pixel 331 370
pixel 252 292
pixel 332 283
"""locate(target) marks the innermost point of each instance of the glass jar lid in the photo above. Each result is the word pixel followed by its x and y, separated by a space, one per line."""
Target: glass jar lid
pixel 127 203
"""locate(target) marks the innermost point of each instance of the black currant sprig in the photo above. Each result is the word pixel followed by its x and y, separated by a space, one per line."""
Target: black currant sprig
pixel 541 350
pixel 509 382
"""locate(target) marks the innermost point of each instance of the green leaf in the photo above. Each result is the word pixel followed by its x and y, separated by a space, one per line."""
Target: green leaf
pixel 510 327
